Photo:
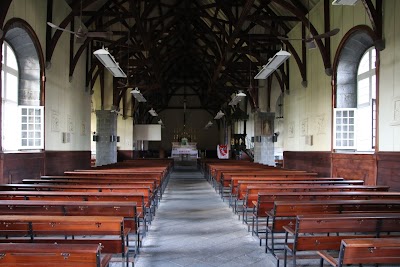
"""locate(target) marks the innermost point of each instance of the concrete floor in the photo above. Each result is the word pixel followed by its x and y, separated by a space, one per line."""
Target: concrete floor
pixel 193 227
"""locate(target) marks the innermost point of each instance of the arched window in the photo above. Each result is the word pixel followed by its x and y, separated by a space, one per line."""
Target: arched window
pixel 354 116
pixel 22 114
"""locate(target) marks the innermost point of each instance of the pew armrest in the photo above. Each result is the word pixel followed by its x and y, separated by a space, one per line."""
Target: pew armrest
pixel 325 256
pixel 289 229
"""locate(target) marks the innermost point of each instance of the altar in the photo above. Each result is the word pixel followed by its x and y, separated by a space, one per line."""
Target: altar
pixel 184 151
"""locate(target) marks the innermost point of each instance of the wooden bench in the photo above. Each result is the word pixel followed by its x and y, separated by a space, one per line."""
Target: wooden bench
pixel 260 208
pixel 326 231
pixel 54 255
pixel 107 230
pixel 284 213
pixel 138 190
pixel 140 201
pixel 226 177
pixel 238 192
pixel 78 208
pixel 365 251
pixel 264 201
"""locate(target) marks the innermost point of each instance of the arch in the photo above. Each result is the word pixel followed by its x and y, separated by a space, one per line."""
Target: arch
pixel 352 47
pixel 24 42
pixel 355 43
pixel 23 39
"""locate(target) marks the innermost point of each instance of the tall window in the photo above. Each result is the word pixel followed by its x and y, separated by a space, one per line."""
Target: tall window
pixel 366 96
pixel 22 126
pixel 355 125
pixel 9 75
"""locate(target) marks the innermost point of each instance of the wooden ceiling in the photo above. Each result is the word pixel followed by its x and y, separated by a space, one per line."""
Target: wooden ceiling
pixel 211 48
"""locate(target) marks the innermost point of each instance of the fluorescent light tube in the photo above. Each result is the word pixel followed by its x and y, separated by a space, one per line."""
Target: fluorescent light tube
pixel 273 64
pixel 109 62
pixel 240 93
pixel 235 100
pixel 137 95
pixel 219 115
pixel 153 112
pixel 344 2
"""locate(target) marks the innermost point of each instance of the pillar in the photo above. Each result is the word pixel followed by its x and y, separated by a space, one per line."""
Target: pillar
pixel 106 145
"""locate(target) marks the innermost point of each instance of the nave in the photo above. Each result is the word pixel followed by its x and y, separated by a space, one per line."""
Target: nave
pixel 194 227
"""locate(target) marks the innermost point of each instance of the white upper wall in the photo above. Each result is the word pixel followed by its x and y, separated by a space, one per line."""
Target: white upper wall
pixel 67 102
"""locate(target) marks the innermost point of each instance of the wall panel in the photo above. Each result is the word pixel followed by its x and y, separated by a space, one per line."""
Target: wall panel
pixel 59 161
pixel 18 166
pixel 316 161
pixel 355 166
pixel 388 164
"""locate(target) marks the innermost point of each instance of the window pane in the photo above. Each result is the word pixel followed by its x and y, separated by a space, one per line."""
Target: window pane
pixel 11 59
pixel 11 93
pixel 373 58
pixel 363 91
pixel 373 86
pixel 364 64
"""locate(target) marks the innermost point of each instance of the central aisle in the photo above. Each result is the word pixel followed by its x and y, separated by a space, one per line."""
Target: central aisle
pixel 193 227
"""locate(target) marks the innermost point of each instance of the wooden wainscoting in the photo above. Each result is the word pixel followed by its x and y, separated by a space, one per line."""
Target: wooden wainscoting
pixel 389 169
pixel 313 161
pixel 18 166
pixel 355 166
pixel 124 155
pixel 59 161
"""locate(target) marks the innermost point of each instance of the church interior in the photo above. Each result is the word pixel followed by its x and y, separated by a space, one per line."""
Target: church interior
pixel 210 101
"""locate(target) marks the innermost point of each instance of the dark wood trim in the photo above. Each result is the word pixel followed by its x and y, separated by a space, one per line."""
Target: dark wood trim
pixel 125 154
pixel 18 166
pixel 355 167
pixel 313 161
pixel 59 161
pixel 388 166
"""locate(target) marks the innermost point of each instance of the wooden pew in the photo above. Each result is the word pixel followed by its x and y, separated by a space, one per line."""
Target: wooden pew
pixel 239 187
pixel 54 255
pixel 159 175
pixel 265 200
pixel 325 232
pixel 226 177
pixel 223 182
pixel 365 251
pixel 81 196
pixel 107 230
pixel 284 212
pixel 77 208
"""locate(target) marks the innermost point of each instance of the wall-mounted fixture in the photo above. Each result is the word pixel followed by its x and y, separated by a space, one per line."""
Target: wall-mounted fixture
pixel 219 115
pixel 66 137
pixel 137 95
pixel 113 138
pixel 109 62
pixel 309 140
pixel 273 64
pixel 95 137
pixel 275 137
pixel 118 139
